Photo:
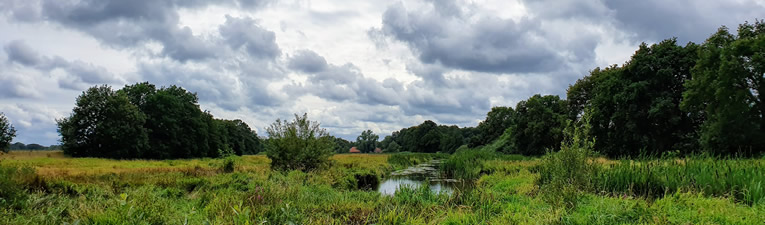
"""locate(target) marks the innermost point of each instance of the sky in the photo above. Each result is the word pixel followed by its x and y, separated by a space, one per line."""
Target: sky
pixel 351 65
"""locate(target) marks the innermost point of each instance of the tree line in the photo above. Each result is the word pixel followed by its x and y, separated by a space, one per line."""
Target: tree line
pixel 692 98
pixel 142 121
pixel 32 147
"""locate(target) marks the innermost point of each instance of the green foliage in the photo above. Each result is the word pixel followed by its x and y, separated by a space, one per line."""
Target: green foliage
pixel 467 163
pixel 367 141
pixel 229 164
pixel 141 121
pixel 7 133
pixel 635 108
pixel 393 147
pixel 538 125
pixel 743 180
pixel 427 137
pixel 567 174
pixel 497 121
pixel 12 193
pixel 341 145
pixel 298 145
pixel 726 91
pixel 104 124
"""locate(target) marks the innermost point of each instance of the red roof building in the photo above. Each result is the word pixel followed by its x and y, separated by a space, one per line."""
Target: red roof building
pixel 378 150
pixel 354 150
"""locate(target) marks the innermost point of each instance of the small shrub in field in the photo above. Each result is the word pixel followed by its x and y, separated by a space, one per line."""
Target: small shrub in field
pixel 298 145
pixel 565 175
pixel 229 164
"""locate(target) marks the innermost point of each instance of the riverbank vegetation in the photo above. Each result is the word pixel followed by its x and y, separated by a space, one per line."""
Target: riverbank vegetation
pixel 58 190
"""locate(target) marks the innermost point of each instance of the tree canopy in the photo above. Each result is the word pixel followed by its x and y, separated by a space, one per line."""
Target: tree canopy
pixel 141 121
pixel 635 108
pixel 726 91
pixel 367 141
pixel 538 125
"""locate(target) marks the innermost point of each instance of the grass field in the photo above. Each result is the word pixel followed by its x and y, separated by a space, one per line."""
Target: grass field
pixel 50 188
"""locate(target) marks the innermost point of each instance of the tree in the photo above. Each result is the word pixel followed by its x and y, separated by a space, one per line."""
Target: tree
pixel 341 145
pixel 104 124
pixel 635 108
pixel 162 123
pixel 178 128
pixel 298 145
pixel 726 91
pixel 497 121
pixel 367 141
pixel 393 147
pixel 451 138
pixel 7 133
pixel 538 125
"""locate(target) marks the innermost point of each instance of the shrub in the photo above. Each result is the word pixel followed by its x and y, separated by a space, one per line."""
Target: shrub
pixel 298 145
pixel 565 175
pixel 229 164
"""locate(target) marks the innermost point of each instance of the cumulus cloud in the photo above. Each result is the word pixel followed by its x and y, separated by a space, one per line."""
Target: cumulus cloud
pixel 246 33
pixel 469 40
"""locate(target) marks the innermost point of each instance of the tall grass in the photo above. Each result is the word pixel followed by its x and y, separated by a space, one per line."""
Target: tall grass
pixel 741 179
pixel 467 163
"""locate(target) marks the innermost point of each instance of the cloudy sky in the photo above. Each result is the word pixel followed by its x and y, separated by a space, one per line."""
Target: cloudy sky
pixel 352 65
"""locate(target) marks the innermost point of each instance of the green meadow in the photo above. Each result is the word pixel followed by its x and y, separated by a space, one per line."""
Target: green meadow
pixel 46 187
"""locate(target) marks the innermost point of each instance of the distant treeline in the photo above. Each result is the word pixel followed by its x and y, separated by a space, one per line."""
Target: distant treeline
pixel 32 147
pixel 142 121
pixel 683 99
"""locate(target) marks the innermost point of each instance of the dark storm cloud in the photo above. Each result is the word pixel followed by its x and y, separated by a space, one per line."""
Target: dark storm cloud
pixel 470 42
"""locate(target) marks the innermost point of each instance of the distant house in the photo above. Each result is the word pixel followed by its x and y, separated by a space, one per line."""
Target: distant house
pixel 354 150
pixel 378 150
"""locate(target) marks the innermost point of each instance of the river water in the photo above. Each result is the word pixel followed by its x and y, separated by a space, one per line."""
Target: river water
pixel 417 175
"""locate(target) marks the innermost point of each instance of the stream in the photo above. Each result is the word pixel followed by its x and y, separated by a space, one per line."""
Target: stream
pixel 415 176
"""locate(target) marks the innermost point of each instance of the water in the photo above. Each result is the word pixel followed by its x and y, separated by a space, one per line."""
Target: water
pixel 415 176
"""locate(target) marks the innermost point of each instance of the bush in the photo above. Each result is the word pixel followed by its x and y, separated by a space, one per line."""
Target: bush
pixel 298 145
pixel 229 164
pixel 565 175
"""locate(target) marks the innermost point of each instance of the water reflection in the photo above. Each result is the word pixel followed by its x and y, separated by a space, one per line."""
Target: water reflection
pixel 389 186
pixel 415 176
